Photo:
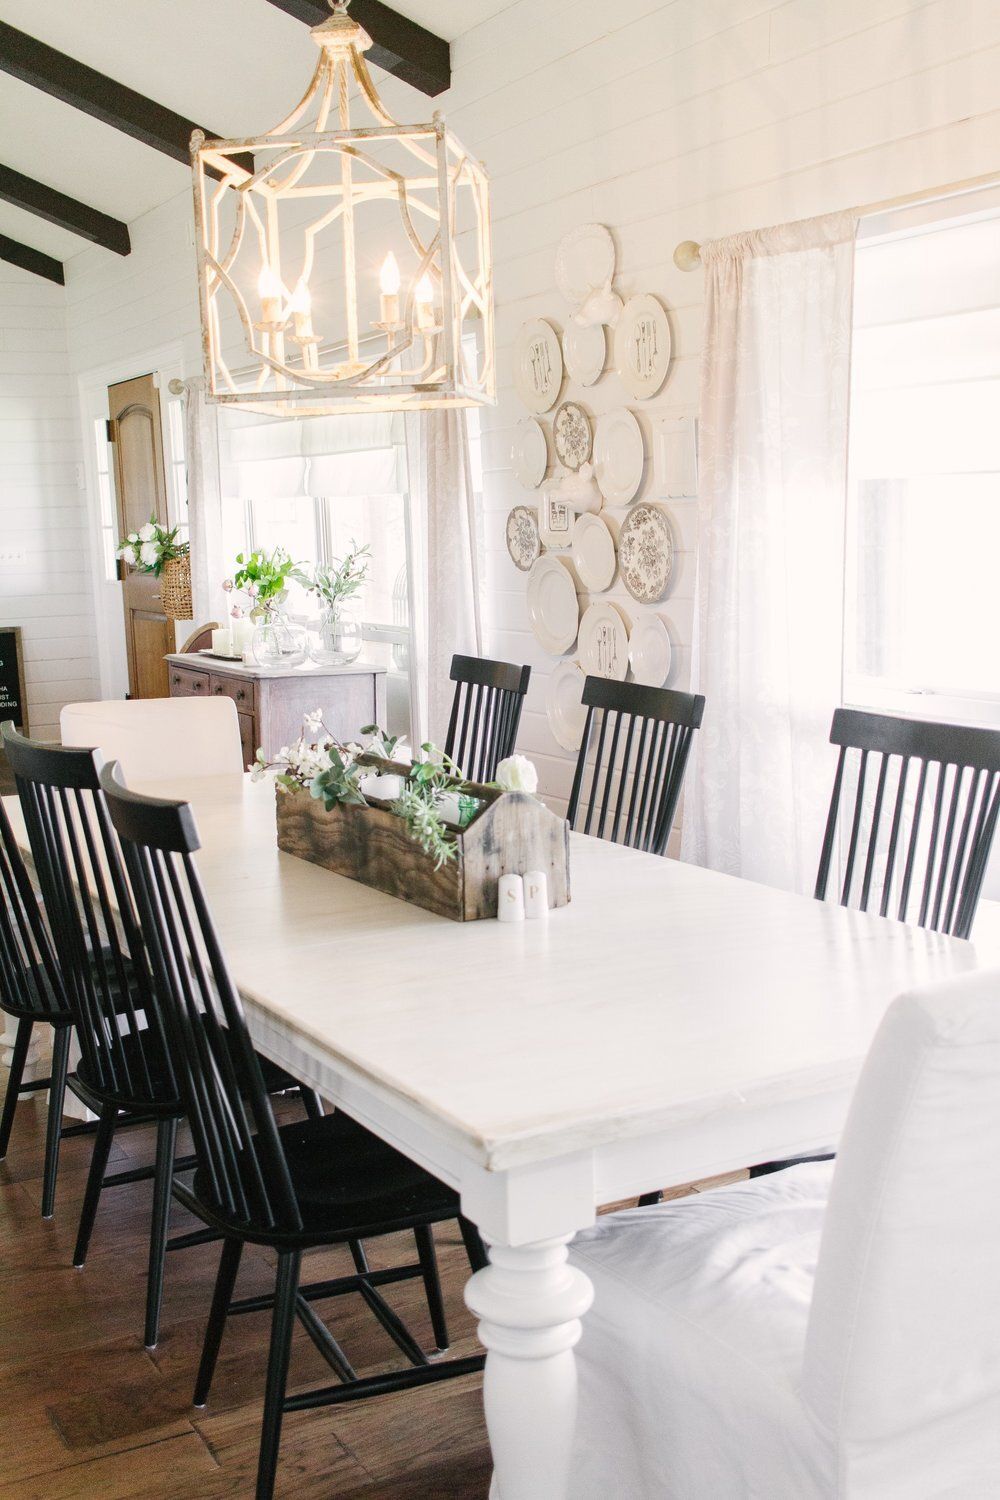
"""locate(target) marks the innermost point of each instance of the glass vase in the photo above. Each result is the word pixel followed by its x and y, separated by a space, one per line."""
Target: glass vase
pixel 337 639
pixel 278 642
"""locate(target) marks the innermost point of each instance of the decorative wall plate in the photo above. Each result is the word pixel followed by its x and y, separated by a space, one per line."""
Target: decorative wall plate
pixel 571 435
pixel 530 453
pixel 646 553
pixel 523 542
pixel 585 259
pixel 553 608
pixel 564 704
pixel 538 367
pixel 555 519
pixel 649 651
pixel 585 351
pixel 619 454
pixel 642 346
pixel 604 642
pixel 593 553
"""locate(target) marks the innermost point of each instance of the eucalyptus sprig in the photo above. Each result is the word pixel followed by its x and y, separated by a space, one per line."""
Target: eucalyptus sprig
pixel 418 806
pixel 341 580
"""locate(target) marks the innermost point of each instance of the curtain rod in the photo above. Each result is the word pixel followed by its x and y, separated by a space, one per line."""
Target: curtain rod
pixel 687 256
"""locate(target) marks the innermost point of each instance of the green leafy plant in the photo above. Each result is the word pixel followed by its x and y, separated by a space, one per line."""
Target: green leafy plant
pixel 151 547
pixel 417 804
pixel 342 580
pixel 264 576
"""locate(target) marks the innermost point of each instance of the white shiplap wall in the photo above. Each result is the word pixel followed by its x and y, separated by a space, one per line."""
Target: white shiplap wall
pixel 665 121
pixel 44 556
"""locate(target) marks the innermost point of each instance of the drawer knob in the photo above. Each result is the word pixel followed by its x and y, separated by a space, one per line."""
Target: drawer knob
pixel 240 694
pixel 176 680
pixel 218 689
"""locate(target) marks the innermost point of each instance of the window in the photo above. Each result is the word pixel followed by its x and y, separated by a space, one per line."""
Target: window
pixel 315 487
pixel 106 500
pixel 923 531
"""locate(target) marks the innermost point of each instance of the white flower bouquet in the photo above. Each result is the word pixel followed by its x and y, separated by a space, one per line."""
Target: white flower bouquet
pixel 151 547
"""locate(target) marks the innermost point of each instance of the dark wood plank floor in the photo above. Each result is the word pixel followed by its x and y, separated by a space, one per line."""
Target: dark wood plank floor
pixel 87 1414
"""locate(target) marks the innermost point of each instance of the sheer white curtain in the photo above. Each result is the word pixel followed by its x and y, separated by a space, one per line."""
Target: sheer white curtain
pixel 201 450
pixel 768 648
pixel 445 606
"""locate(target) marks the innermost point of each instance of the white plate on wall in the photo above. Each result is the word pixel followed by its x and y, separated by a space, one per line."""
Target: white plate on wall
pixel 649 651
pixel 585 352
pixel 530 453
pixel 593 553
pixel 564 705
pixel 604 642
pixel 585 259
pixel 642 346
pixel 646 553
pixel 553 608
pixel 538 366
pixel 619 455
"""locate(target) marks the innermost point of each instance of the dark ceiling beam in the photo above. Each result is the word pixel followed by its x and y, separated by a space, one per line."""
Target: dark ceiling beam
pixel 400 46
pixel 85 89
pixel 31 260
pixel 68 213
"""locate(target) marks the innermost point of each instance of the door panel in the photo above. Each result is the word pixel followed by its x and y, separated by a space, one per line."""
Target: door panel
pixel 141 489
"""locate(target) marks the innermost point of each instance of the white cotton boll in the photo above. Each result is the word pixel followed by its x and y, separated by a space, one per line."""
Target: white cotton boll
pixel 517 774
pixel 149 554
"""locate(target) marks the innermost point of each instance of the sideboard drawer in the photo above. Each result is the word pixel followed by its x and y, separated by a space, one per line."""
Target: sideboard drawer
pixel 231 687
pixel 185 681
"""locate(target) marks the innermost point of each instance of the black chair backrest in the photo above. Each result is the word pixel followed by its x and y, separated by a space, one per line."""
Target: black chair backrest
pixel 643 742
pixel 485 713
pixel 921 823
pixel 30 982
pixel 192 991
pixel 87 901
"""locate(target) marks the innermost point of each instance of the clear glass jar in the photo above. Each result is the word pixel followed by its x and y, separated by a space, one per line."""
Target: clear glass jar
pixel 337 638
pixel 278 642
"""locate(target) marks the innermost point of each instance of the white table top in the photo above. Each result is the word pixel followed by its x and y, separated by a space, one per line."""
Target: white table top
pixel 661 994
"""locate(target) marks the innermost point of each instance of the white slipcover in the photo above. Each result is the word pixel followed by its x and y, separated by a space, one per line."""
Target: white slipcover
pixel 832 1330
pixel 154 739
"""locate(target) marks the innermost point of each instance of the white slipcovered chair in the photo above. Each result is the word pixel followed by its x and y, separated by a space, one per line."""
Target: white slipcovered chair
pixel 833 1329
pixel 156 739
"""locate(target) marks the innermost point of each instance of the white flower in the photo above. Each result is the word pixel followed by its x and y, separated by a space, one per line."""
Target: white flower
pixel 517 774
pixel 147 532
pixel 313 722
pixel 133 538
pixel 227 584
pixel 125 553
pixel 258 773
pixel 149 554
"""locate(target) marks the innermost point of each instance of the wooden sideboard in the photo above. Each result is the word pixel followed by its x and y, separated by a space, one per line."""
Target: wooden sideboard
pixel 270 704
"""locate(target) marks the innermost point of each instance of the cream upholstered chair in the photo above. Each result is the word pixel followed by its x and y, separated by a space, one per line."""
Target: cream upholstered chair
pixel 155 739
pixel 832 1329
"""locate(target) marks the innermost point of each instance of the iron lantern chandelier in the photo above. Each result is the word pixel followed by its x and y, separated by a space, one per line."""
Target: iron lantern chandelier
pixel 284 223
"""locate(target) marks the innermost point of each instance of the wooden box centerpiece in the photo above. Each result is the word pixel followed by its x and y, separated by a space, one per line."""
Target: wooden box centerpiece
pixel 510 832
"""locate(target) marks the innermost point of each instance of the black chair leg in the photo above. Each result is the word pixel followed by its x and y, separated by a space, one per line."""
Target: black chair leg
pixel 95 1181
pixel 229 1265
pixel 18 1058
pixel 649 1200
pixel 474 1247
pixel 53 1130
pixel 282 1323
pixel 432 1284
pixel 163 1177
pixel 312 1102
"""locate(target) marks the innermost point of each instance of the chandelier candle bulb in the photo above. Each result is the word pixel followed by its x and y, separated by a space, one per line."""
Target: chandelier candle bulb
pixel 424 298
pixel 270 291
pixel 390 282
pixel 301 309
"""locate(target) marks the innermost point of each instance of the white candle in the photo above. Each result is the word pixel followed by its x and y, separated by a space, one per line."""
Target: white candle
pixel 510 899
pixel 389 283
pixel 424 298
pixel 270 290
pixel 536 895
pixel 301 310
pixel 222 642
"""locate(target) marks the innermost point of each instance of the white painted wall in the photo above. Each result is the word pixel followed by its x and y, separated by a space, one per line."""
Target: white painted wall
pixel 666 121
pixel 44 544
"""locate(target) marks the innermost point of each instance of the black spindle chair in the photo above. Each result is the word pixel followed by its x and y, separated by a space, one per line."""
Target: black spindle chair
pixel 643 739
pixel 485 713
pixel 31 991
pixel 124 1075
pixel 323 1182
pixel 918 832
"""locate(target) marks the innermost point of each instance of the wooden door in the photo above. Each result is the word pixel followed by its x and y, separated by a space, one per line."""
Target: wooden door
pixel 141 488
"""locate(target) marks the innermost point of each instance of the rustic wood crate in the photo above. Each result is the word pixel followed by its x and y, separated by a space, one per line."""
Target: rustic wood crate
pixel 512 832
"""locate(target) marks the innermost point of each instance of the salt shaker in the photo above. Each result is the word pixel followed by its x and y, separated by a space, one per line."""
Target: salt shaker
pixel 536 895
pixel 510 899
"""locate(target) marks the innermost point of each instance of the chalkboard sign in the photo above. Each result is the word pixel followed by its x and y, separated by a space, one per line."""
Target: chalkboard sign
pixel 13 702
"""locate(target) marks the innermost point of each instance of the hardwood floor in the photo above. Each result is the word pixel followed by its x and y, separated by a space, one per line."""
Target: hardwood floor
pixel 87 1414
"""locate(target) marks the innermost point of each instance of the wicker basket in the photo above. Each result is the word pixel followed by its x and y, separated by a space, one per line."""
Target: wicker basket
pixel 175 588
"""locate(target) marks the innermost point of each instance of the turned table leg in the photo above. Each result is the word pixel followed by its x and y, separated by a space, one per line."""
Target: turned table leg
pixel 529 1301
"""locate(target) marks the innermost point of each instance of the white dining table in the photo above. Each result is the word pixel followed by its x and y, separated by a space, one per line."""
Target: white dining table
pixel 667 1025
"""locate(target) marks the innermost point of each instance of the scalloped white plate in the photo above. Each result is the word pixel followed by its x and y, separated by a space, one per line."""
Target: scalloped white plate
pixel 553 608
pixel 619 455
pixel 564 705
